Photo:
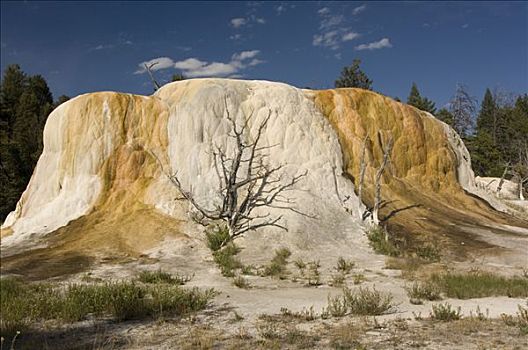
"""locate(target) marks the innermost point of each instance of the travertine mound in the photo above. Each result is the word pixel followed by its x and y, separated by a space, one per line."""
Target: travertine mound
pixel 107 155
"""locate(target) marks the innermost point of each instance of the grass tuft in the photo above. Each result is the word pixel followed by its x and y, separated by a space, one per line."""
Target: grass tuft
pixel 424 290
pixel 277 266
pixel 445 312
pixel 380 242
pixel 217 237
pixel 159 276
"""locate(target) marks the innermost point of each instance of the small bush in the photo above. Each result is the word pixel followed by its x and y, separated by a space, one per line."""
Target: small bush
pixel 277 266
pixel 241 282
pixel 217 236
pixel 337 307
pixel 344 266
pixel 428 291
pixel 314 276
pixel 428 252
pixel 337 280
pixel 226 260
pixel 364 301
pixel 445 312
pixel 358 278
pixel 520 321
pixel 159 276
pixel 480 285
pixel 380 242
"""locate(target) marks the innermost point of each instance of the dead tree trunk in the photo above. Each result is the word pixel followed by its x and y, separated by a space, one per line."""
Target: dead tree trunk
pixel 379 174
pixel 154 82
pixel 362 167
pixel 246 182
pixel 501 182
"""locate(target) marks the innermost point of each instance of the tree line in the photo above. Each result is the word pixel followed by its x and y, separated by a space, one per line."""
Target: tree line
pixel 25 103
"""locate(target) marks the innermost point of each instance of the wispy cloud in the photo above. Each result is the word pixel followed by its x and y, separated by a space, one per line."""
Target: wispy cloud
pixel 465 26
pixel 350 36
pixel 359 9
pixel 331 30
pixel 238 22
pixel 193 67
pixel 375 45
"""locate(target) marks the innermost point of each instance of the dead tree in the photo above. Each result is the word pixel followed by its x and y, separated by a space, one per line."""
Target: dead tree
pixel 148 69
pixel 501 182
pixel 520 172
pixel 247 182
pixel 362 168
pixel 377 191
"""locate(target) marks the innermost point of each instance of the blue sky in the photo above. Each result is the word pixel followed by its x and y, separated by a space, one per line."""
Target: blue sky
pixel 92 46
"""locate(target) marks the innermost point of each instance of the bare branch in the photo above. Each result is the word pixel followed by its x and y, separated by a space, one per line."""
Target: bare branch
pixel 154 82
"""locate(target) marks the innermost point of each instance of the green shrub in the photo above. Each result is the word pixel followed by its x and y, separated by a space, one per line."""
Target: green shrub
pixel 445 312
pixel 241 282
pixel 217 236
pixel 428 252
pixel 344 266
pixel 364 301
pixel 425 290
pixel 226 260
pixel 160 276
pixel 380 242
pixel 314 276
pixel 337 280
pixel 277 266
pixel 480 285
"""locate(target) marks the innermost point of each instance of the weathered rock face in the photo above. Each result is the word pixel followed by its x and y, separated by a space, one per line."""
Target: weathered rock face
pixel 107 155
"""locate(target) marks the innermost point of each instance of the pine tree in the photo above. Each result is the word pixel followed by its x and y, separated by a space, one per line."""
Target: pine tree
pixel 353 76
pixel 487 118
pixel 446 116
pixel 423 103
pixel 25 105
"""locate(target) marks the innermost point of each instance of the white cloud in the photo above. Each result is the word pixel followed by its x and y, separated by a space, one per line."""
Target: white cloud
pixel 235 36
pixel 385 42
pixel 349 36
pixel 464 26
pixel 328 39
pixel 156 63
pixel 359 9
pixel 194 67
pixel 261 20
pixel 280 9
pixel 189 64
pixel 324 11
pixel 238 22
pixel 244 55
pixel 330 21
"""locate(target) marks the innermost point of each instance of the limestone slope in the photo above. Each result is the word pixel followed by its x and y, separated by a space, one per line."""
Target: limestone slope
pixel 107 155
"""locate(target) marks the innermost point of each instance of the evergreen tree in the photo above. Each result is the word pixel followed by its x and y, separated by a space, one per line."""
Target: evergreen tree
pixel 353 76
pixel 25 103
pixel 178 77
pixel 423 103
pixel 487 117
pixel 446 116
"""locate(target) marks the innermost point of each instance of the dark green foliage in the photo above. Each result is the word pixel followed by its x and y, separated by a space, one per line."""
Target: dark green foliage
pixel 277 266
pixel 178 77
pixel 445 116
pixel 25 103
pixel 226 259
pixel 423 103
pixel 353 76
pixel 381 243
pixel 217 236
pixel 486 158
